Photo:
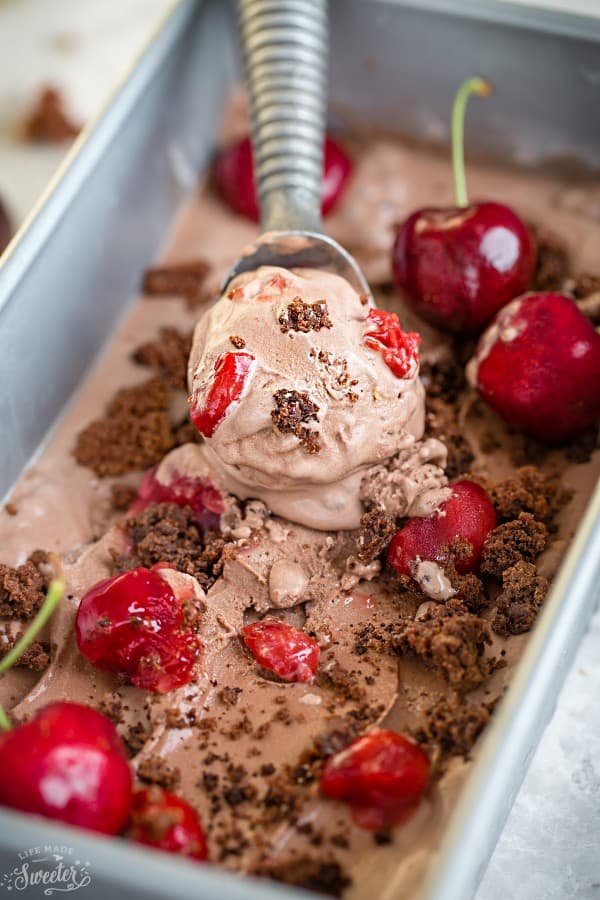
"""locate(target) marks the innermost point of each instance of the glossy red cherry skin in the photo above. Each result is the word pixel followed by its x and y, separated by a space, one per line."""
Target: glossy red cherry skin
pixel 468 514
pixel 198 493
pixel 288 652
pixel 382 775
pixel 67 763
pixel 235 177
pixel 459 266
pixel 135 626
pixel 163 820
pixel 539 367
pixel 210 403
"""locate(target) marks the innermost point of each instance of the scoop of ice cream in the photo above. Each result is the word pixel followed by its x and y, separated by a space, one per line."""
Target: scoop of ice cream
pixel 298 387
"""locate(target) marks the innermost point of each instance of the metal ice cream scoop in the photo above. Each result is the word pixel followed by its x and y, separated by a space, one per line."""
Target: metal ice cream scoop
pixel 285 49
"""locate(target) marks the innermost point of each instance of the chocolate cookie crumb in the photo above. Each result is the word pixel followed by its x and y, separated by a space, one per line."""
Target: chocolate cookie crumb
pixel 450 728
pixel 48 123
pixel 135 433
pixel 529 490
pixel 452 641
pixel 122 496
pixel 522 539
pixel 185 279
pixel 165 532
pixel 293 411
pixel 553 265
pixel 304 317
pixel 319 876
pixel 237 342
pixel 444 379
pixel 585 285
pixel 375 533
pixel 523 592
pixel 167 355
pixel 229 696
pixel 111 705
pixel 36 657
pixel 23 588
pixel 11 508
pixel 156 770
pixel 135 737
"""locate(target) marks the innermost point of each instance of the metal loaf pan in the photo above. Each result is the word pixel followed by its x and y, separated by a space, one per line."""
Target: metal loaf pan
pixel 75 267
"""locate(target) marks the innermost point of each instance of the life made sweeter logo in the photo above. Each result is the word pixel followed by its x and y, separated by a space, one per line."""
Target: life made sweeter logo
pixel 47 870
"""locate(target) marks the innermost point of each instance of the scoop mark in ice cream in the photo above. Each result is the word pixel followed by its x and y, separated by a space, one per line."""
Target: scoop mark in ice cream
pixel 399 349
pixel 211 401
pixel 293 413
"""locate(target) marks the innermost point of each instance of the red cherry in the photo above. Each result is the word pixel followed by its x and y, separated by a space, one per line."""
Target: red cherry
pixel 539 367
pixel 468 514
pixel 135 626
pixel 67 763
pixel 210 402
pixel 382 775
pixel 198 493
pixel 162 820
pixel 288 652
pixel 235 177
pixel 399 349
pixel 460 266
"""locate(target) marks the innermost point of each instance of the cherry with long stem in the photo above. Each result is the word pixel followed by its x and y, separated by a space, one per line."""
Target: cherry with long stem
pixel 458 266
pixel 481 88
pixel 54 595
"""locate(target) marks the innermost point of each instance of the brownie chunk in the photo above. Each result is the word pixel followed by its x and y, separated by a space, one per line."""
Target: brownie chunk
pixel 135 433
pixel 23 588
pixel 452 641
pixel 450 728
pixel 523 592
pixel 320 876
pixel 305 317
pixel 48 123
pixel 294 410
pixel 529 491
pixel 165 532
pixel 158 771
pixel 520 540
pixel 185 279
pixel 167 355
pixel 375 533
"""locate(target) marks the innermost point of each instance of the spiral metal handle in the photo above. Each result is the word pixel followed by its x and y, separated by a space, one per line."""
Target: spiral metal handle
pixel 285 49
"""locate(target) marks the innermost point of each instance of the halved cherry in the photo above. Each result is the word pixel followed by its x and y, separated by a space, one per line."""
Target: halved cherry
pixel 135 626
pixel 163 820
pixel 288 652
pixel 198 493
pixel 210 403
pixel 399 349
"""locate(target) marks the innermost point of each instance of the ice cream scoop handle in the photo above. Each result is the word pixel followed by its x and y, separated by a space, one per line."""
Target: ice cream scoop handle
pixel 285 48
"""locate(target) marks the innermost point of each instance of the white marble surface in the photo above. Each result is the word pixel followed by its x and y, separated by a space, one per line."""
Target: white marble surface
pixel 550 848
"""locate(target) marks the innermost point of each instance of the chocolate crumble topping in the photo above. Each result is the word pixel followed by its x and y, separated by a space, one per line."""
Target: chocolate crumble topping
pixel 293 411
pixel 523 592
pixel 122 496
pixel 36 657
pixel 156 770
pixel 375 533
pixel 520 540
pixel 167 355
pixel 553 265
pixel 237 341
pixel 529 491
pixel 165 532
pixel 450 728
pixel 48 122
pixel 452 641
pixel 305 317
pixel 23 588
pixel 320 876
pixel 135 433
pixel 185 279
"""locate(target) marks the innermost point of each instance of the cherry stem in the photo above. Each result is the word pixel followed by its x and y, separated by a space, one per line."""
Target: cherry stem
pixel 53 597
pixel 481 88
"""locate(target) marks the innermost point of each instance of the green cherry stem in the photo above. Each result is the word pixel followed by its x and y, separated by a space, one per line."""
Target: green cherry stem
pixel 53 598
pixel 481 88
